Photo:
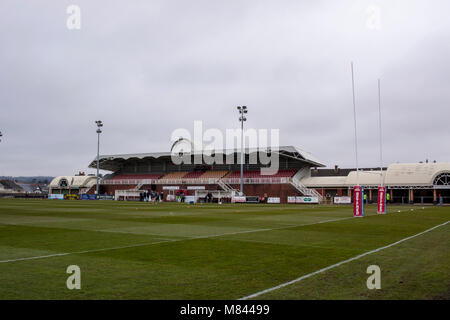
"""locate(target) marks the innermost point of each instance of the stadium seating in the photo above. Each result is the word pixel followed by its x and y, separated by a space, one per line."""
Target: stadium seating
pixel 174 175
pixel 213 174
pixel 193 174
pixel 204 175
pixel 257 174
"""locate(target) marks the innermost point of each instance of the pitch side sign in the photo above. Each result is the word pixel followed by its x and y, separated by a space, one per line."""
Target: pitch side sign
pixel 381 207
pixel 300 199
pixel 358 203
pixel 171 187
pixel 56 196
pixel 239 199
pixel 273 200
pixel 88 197
pixel 342 200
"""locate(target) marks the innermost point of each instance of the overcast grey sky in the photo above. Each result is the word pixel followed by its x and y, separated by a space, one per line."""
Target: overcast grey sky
pixel 148 67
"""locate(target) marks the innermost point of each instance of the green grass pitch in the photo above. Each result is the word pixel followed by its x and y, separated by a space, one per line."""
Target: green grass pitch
pixel 132 250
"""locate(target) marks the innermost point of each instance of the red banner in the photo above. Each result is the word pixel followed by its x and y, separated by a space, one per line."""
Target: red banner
pixel 358 203
pixel 381 207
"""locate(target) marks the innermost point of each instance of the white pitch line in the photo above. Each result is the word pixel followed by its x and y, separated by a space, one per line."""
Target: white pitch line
pixel 338 264
pixel 158 236
pixel 167 241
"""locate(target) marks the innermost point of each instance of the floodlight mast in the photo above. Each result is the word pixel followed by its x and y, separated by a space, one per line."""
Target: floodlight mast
pixel 99 124
pixel 242 111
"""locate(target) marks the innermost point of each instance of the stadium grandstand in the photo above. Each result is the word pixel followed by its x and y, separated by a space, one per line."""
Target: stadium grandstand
pixel 10 186
pixel 72 184
pixel 406 182
pixel 157 172
pixel 299 174
pixel 18 188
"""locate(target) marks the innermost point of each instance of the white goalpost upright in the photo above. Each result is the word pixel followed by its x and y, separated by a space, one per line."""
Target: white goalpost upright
pixel 381 199
pixel 358 190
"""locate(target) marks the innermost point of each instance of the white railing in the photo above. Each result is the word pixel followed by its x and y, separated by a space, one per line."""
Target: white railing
pixel 160 181
pixel 187 181
pixel 225 186
pixel 275 180
pixel 128 181
pixel 305 190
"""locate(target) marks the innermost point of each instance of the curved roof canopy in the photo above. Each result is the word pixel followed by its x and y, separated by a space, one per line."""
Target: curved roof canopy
pixel 396 175
pixel 419 174
pixel 65 182
pixel 113 162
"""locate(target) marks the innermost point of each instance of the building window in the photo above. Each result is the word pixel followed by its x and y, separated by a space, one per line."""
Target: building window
pixel 63 183
pixel 442 180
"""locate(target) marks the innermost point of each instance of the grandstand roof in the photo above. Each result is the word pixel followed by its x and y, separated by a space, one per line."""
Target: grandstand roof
pixel 27 187
pixel 420 174
pixel 110 162
pixel 396 175
pixel 324 182
pixel 10 185
pixel 366 178
pixel 73 181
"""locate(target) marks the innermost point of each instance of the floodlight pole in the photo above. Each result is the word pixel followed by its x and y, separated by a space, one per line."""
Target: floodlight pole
pixel 99 125
pixel 242 118
pixel 1 135
pixel 242 157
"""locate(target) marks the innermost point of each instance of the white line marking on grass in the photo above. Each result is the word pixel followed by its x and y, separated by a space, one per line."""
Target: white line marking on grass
pixel 158 235
pixel 86 251
pixel 33 258
pixel 167 241
pixel 338 264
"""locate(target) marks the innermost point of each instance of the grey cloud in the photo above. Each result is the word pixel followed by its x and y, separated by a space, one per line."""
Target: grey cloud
pixel 148 67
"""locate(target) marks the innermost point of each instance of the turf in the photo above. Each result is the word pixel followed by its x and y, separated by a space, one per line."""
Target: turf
pixel 132 250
